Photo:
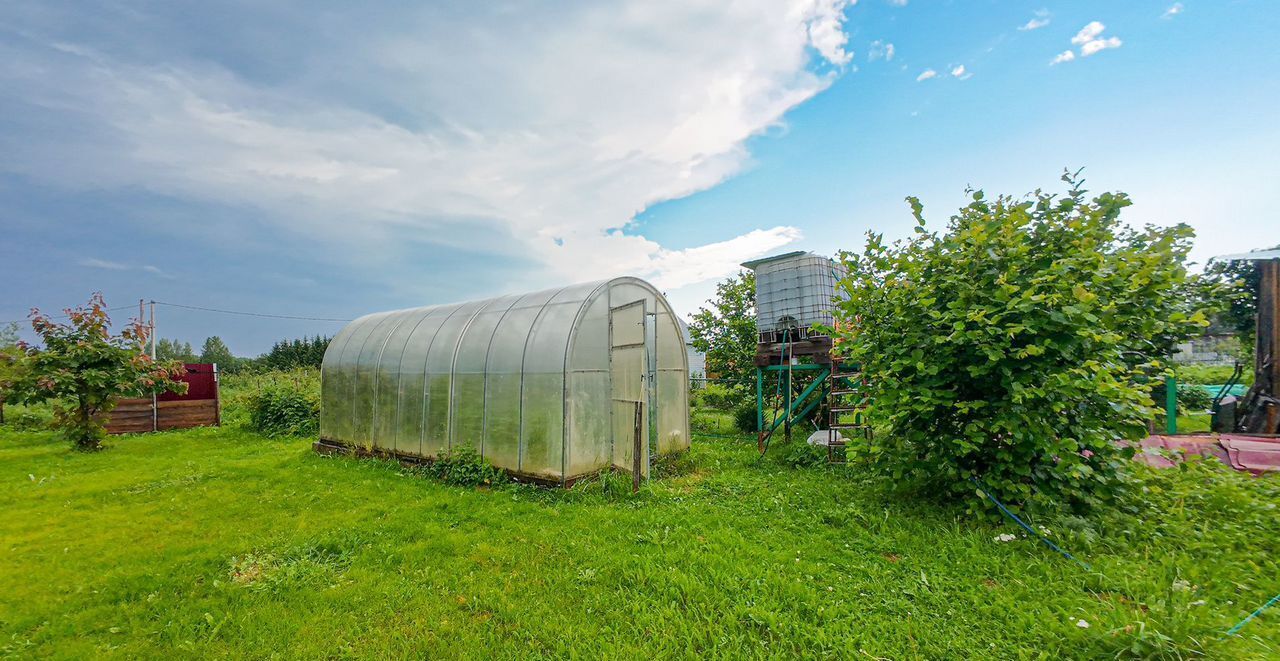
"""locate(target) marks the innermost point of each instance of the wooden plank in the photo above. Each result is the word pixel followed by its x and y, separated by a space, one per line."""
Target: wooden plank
pixel 188 404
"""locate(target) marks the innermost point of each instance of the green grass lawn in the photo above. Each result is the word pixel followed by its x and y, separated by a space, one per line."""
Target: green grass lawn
pixel 217 542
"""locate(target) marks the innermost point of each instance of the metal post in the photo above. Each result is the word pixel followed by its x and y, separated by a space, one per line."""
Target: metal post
pixel 759 400
pixel 1170 405
pixel 636 449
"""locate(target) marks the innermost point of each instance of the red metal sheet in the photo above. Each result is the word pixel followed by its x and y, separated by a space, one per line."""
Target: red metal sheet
pixel 202 383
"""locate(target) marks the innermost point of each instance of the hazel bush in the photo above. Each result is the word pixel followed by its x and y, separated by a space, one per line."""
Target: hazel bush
pixel 1017 347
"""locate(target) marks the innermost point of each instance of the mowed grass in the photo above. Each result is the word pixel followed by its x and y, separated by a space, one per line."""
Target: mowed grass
pixel 219 543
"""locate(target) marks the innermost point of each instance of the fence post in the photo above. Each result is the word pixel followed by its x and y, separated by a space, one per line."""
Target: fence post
pixel 635 451
pixel 1170 405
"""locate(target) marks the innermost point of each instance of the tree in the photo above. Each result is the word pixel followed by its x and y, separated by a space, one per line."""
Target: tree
pixel 1016 348
pixel 216 351
pixel 1236 293
pixel 726 332
pixel 167 349
pixel 292 354
pixel 10 362
pixel 85 369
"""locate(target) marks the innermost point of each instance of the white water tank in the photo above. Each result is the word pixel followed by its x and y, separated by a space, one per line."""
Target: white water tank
pixel 794 291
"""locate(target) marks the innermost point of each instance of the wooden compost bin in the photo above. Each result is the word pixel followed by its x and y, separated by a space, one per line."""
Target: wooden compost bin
pixel 198 408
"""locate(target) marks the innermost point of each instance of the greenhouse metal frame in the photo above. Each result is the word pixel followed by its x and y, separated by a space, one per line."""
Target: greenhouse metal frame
pixel 551 385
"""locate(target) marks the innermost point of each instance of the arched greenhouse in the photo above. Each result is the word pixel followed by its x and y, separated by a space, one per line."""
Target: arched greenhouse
pixel 550 385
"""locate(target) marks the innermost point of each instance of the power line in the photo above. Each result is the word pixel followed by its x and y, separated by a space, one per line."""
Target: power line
pixel 248 314
pixel 63 316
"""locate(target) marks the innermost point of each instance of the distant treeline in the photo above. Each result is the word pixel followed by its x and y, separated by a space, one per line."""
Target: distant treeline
pixel 284 355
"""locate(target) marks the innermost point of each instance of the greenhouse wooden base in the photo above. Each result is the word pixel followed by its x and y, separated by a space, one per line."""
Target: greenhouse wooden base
pixel 331 447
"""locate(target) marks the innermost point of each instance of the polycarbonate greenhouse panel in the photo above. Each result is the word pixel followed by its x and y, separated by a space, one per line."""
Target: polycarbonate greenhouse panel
pixel 525 380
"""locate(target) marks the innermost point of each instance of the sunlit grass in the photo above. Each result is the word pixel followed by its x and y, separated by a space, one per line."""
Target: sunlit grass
pixel 217 542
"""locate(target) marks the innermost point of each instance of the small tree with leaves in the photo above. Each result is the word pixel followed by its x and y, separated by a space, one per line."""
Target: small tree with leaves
pixel 1017 347
pixel 726 331
pixel 84 370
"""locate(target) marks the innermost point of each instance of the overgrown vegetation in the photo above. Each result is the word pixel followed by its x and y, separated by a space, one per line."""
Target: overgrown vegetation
pixel 275 404
pixel 463 467
pixel 1010 349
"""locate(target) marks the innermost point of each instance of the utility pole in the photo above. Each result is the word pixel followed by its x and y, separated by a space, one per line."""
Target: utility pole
pixel 155 417
pixel 153 330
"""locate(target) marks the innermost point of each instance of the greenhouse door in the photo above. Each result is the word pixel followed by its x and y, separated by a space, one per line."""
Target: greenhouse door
pixel 632 396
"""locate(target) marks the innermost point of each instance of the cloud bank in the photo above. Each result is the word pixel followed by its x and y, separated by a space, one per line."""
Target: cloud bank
pixel 358 128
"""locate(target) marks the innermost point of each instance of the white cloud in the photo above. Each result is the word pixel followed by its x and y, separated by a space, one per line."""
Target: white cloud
pixel 1173 10
pixel 1088 33
pixel 825 22
pixel 898 3
pixel 880 49
pixel 1041 19
pixel 425 127
pixel 1097 45
pixel 1090 41
pixel 926 75
pixel 958 71
pixel 94 263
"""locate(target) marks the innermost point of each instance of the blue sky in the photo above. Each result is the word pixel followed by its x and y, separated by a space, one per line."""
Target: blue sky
pixel 320 159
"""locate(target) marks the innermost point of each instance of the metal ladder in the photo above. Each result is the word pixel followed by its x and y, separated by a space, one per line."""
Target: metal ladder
pixel 844 383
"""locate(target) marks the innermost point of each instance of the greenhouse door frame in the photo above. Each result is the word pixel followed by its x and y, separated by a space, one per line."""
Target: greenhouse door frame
pixel 632 358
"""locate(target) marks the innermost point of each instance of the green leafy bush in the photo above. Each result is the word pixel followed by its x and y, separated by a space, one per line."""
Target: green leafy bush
pixel 464 467
pixel 799 454
pixel 1210 375
pixel 1011 348
pixel 717 396
pixel 1193 398
pixel 279 410
pixel 745 418
pixel 29 418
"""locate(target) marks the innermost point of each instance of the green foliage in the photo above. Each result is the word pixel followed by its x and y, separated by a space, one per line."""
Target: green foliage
pixel 29 418
pixel 215 351
pixel 1210 375
pixel 1193 398
pixel 717 396
pixel 84 369
pixel 745 417
pixel 1237 294
pixel 463 467
pixel 167 349
pixel 1012 347
pixel 294 354
pixel 799 454
pixel 282 409
pixel 11 363
pixel 726 332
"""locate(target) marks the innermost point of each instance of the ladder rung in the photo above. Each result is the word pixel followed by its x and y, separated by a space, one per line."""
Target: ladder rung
pixel 848 409
pixel 846 392
pixel 848 426
pixel 847 375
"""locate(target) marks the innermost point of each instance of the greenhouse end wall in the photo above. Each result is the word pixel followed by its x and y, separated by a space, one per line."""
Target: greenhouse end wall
pixel 543 384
